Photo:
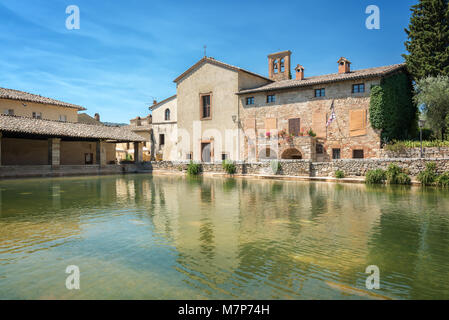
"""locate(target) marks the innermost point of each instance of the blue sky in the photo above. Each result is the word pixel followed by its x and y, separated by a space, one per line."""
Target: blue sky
pixel 128 52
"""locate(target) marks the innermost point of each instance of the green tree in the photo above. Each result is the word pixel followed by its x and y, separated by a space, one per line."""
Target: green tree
pixel 428 39
pixel 433 94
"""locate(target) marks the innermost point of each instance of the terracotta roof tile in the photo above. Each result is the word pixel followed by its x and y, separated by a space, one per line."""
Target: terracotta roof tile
pixel 25 96
pixel 65 129
pixel 329 78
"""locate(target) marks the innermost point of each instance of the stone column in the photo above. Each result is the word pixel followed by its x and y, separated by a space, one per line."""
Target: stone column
pixel 1 148
pixel 101 153
pixel 54 152
pixel 138 152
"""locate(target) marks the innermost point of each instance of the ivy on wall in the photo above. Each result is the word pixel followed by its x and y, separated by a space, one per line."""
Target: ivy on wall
pixel 392 110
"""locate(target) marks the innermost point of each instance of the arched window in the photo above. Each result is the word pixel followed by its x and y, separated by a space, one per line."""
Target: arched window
pixel 282 65
pixel 167 114
pixel 275 65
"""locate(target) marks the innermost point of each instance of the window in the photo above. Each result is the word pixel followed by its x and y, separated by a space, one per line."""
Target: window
pixel 167 114
pixel 271 98
pixel 189 156
pixel 294 126
pixel 63 118
pixel 275 66
pixel 336 154
pixel 224 156
pixel 37 115
pixel 205 106
pixel 357 154
pixel 358 88
pixel 282 65
pixel 162 139
pixel 9 112
pixel 249 100
pixel 320 92
pixel 319 148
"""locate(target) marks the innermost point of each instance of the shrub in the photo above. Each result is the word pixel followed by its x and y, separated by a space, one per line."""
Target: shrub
pixel 311 133
pixel 396 175
pixel 229 167
pixel 429 175
pixel 376 176
pixel 403 178
pixel 193 169
pixel 339 174
pixel 275 166
pixel 443 180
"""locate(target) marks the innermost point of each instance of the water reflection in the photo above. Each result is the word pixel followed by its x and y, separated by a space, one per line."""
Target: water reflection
pixel 175 237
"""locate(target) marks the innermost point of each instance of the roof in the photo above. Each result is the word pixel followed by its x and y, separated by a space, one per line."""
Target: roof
pixel 25 96
pixel 220 64
pixel 87 119
pixel 154 106
pixel 329 78
pixel 65 129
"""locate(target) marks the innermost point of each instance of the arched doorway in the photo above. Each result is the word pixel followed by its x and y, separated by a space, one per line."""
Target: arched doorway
pixel 291 153
pixel 267 153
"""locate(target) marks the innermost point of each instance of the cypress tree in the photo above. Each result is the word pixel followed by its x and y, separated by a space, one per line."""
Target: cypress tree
pixel 428 39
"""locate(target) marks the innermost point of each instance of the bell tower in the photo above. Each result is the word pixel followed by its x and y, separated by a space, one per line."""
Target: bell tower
pixel 279 65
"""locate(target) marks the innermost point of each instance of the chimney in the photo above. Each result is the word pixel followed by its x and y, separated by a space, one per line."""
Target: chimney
pixel 299 72
pixel 344 65
pixel 97 117
pixel 154 102
pixel 279 65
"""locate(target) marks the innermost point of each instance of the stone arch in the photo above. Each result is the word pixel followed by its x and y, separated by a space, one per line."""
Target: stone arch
pixel 267 153
pixel 291 153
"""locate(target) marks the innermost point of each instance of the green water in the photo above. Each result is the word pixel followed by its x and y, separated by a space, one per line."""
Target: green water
pixel 167 237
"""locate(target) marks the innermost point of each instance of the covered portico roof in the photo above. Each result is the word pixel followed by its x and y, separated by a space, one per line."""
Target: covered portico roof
pixel 58 129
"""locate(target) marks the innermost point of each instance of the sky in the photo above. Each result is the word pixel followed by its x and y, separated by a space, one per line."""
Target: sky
pixel 127 53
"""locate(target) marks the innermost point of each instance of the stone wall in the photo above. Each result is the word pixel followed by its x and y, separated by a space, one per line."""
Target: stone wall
pixel 359 167
pixel 434 152
pixel 351 167
pixel 288 167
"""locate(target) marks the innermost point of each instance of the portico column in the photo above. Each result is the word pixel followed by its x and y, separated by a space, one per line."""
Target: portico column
pixel 138 152
pixel 54 152
pixel 101 153
pixel 1 135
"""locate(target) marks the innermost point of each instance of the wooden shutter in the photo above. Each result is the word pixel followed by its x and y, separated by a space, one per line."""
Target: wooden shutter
pixel 294 126
pixel 357 122
pixel 270 124
pixel 250 123
pixel 319 120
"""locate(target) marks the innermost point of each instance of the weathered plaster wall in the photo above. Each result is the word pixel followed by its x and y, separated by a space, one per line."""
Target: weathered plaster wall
pixel 49 112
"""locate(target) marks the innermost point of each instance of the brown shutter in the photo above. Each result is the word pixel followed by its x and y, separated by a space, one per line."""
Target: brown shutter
pixel 319 120
pixel 357 122
pixel 294 126
pixel 270 124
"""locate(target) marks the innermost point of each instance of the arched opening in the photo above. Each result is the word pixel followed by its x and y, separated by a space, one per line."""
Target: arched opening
pixel 167 114
pixel 267 153
pixel 275 65
pixel 291 153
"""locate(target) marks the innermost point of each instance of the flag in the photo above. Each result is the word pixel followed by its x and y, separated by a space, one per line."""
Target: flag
pixel 332 117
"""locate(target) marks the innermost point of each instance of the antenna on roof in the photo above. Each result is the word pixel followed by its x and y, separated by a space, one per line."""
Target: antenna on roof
pixel 205 47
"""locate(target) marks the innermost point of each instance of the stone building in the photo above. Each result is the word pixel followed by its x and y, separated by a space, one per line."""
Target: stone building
pixel 319 118
pixel 165 129
pixel 143 128
pixel 227 112
pixel 46 133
